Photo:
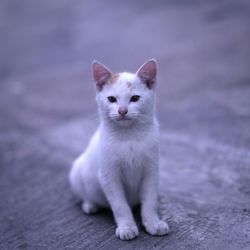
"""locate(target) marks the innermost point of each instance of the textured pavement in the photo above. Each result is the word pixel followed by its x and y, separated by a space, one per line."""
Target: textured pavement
pixel 48 113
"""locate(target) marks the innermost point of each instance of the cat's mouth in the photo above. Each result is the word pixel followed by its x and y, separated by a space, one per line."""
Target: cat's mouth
pixel 120 118
pixel 124 121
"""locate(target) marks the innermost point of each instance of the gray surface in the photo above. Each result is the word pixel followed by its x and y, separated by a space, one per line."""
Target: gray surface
pixel 47 114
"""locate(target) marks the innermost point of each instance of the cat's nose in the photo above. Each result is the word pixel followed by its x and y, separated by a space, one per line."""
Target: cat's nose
pixel 122 111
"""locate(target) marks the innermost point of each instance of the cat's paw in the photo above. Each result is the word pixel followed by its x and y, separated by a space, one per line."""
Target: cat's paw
pixel 159 228
pixel 126 232
pixel 89 208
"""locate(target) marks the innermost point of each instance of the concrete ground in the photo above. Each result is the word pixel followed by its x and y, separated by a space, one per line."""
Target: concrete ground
pixel 48 112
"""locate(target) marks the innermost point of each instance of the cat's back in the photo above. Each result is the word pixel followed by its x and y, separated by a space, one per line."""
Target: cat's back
pixel 89 156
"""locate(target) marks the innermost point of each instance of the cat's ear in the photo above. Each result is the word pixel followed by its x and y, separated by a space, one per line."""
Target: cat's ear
pixel 147 73
pixel 101 74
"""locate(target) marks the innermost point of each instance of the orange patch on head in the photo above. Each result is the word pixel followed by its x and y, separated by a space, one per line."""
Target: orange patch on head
pixel 113 78
pixel 129 84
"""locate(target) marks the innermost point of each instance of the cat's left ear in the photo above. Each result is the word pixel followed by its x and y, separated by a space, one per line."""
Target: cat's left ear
pixel 101 74
pixel 147 73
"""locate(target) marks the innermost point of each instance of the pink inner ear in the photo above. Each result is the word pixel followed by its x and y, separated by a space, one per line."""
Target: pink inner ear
pixel 101 74
pixel 147 73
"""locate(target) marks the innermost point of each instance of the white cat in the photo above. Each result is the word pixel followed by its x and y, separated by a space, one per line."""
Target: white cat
pixel 119 168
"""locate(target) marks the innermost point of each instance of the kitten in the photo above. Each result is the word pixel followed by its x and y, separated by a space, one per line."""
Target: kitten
pixel 119 168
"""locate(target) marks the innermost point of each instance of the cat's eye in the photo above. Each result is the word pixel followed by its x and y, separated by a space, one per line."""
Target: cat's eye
pixel 112 99
pixel 135 98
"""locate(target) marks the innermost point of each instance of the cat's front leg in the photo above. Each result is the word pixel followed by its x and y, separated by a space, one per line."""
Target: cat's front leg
pixel 149 198
pixel 114 191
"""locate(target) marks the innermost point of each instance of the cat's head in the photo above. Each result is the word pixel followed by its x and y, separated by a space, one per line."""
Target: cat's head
pixel 125 98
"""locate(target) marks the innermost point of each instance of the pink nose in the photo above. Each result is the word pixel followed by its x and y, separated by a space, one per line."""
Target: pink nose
pixel 122 111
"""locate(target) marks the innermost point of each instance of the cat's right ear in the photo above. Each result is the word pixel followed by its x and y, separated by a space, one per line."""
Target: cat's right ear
pixel 101 74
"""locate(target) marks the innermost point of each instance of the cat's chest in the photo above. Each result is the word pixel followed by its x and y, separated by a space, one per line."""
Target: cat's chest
pixel 131 161
pixel 133 154
pixel 131 177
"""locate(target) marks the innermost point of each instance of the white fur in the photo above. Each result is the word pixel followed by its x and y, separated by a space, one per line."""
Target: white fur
pixel 119 168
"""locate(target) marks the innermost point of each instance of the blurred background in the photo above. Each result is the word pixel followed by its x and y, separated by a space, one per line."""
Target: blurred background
pixel 48 112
